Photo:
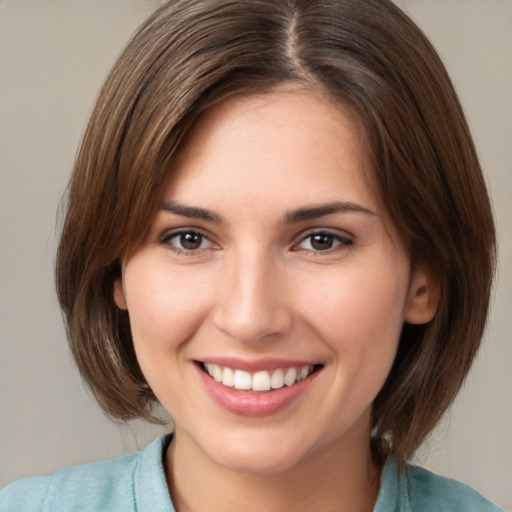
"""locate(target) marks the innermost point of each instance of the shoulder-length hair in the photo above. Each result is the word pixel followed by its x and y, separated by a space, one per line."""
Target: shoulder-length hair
pixel 368 54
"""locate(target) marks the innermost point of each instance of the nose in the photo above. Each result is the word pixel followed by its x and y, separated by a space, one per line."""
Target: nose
pixel 251 305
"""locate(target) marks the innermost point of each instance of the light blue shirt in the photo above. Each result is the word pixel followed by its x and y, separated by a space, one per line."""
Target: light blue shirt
pixel 136 483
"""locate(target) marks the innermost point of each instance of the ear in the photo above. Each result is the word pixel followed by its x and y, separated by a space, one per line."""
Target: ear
pixel 119 297
pixel 423 299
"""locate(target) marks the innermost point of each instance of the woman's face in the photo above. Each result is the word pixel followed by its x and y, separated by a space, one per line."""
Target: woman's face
pixel 267 302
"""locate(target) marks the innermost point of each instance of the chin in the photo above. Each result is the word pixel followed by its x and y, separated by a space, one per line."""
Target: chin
pixel 256 454
pixel 262 463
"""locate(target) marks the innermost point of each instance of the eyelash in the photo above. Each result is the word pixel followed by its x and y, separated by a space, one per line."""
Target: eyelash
pixel 167 238
pixel 340 242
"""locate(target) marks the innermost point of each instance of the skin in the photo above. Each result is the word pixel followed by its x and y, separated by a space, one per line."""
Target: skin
pixel 256 287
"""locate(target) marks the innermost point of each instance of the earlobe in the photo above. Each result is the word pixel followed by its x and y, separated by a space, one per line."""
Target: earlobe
pixel 424 293
pixel 119 297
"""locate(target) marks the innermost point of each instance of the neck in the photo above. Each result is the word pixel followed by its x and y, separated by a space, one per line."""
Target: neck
pixel 340 478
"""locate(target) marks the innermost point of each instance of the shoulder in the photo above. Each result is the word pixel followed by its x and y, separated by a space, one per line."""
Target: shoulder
pixel 430 492
pixel 107 486
pixel 25 495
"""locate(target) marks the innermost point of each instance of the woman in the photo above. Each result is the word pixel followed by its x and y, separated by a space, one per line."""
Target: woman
pixel 278 229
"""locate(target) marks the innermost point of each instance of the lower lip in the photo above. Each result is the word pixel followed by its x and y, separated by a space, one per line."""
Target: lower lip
pixel 254 404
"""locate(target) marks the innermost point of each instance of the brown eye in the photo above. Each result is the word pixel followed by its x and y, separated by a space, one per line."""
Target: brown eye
pixel 186 241
pixel 190 241
pixel 324 241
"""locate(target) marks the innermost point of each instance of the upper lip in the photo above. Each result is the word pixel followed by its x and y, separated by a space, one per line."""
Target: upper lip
pixel 257 364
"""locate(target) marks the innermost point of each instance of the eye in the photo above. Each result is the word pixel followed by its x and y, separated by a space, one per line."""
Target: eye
pixel 323 241
pixel 186 241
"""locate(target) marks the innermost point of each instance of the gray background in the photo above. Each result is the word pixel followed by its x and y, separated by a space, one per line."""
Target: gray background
pixel 53 57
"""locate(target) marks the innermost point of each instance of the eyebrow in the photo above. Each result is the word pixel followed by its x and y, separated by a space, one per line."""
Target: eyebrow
pixel 291 217
pixel 191 212
pixel 316 211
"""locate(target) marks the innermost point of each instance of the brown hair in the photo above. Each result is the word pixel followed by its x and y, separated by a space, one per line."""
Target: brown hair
pixel 192 53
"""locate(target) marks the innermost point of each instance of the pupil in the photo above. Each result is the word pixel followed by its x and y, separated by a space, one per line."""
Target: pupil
pixel 321 242
pixel 190 240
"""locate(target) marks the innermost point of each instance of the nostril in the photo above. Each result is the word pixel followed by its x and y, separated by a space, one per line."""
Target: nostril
pixel 250 326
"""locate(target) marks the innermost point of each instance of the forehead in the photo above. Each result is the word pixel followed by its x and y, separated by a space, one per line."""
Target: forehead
pixel 291 140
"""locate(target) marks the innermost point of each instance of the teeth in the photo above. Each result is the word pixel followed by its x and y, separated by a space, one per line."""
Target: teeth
pixel 290 376
pixel 277 380
pixel 242 380
pixel 228 377
pixel 258 381
pixel 261 381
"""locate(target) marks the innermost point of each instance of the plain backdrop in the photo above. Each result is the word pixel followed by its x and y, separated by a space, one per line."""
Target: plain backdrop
pixel 53 58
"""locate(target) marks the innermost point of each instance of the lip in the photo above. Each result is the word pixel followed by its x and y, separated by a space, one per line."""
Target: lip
pixel 254 404
pixel 257 365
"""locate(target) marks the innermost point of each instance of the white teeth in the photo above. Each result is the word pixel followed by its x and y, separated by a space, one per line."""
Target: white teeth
pixel 242 380
pixel 258 381
pixel 261 381
pixel 290 376
pixel 277 380
pixel 228 377
pixel 217 373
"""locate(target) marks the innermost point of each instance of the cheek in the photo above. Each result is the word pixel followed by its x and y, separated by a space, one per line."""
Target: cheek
pixel 165 309
pixel 360 302
pixel 360 315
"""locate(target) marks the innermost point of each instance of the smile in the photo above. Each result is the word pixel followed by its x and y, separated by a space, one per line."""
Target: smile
pixel 256 389
pixel 259 381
